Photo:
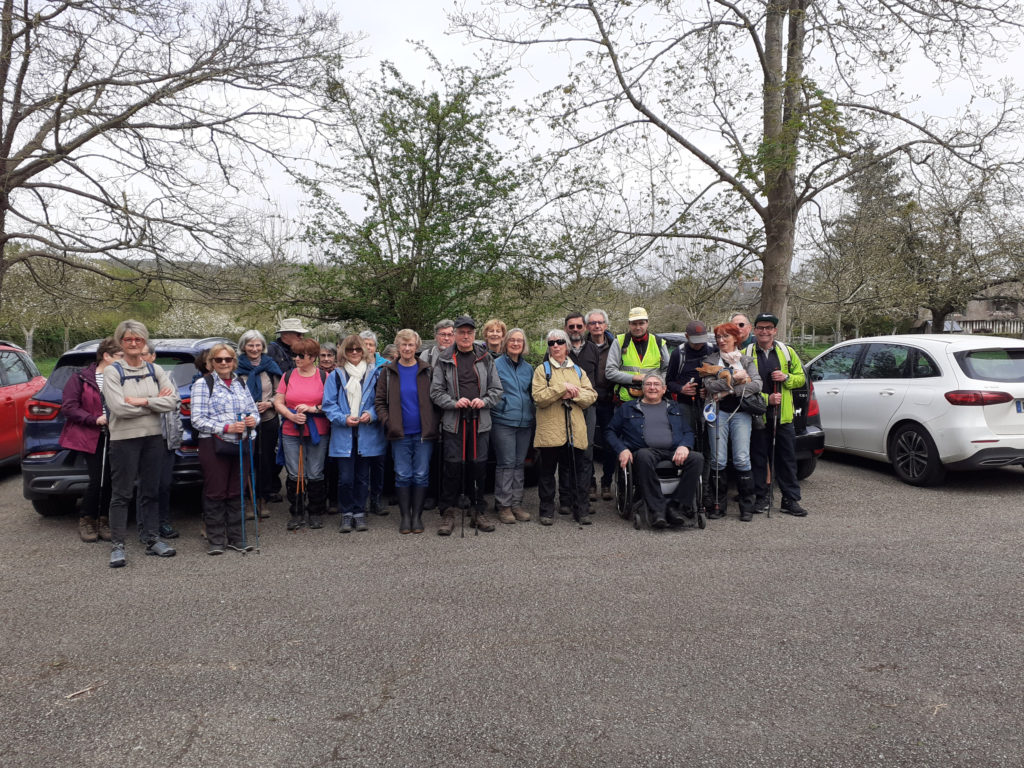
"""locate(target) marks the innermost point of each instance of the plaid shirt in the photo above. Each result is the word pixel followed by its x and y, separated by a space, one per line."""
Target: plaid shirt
pixel 212 412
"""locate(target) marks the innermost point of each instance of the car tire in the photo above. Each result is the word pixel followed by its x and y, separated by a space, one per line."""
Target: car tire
pixel 914 456
pixel 55 506
pixel 805 467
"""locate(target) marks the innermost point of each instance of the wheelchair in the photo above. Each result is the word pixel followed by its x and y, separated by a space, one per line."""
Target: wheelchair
pixel 630 506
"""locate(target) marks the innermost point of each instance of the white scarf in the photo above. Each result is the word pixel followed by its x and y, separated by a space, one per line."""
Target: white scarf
pixel 732 359
pixel 354 387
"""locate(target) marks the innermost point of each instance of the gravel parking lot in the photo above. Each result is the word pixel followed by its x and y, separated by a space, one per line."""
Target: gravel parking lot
pixel 883 630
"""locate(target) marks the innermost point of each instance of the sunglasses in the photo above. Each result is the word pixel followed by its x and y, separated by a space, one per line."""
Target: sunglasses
pixel 353 349
pixel 741 325
pixel 299 355
pixel 575 327
pixel 555 342
pixel 223 359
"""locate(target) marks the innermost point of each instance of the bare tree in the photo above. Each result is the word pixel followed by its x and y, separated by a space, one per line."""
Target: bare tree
pixel 766 99
pixel 141 131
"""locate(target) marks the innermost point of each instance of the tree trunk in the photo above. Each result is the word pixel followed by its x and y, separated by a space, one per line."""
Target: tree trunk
pixel 29 334
pixel 780 229
pixel 839 326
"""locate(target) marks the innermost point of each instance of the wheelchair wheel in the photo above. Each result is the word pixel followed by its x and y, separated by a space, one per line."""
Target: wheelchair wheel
pixel 624 492
pixel 702 520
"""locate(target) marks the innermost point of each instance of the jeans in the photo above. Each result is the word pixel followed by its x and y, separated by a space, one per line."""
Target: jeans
pixel 730 429
pixel 411 455
pixel 312 456
pixel 353 483
pixel 511 444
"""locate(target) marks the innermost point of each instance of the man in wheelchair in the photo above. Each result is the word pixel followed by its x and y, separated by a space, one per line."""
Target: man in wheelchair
pixel 650 430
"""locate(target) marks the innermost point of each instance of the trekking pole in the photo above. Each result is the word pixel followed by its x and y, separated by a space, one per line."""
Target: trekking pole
pixel 241 481
pixel 567 405
pixel 471 416
pixel 300 481
pixel 252 487
pixel 718 435
pixel 771 452
pixel 463 498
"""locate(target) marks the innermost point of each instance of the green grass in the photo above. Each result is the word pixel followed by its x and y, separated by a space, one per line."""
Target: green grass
pixel 45 365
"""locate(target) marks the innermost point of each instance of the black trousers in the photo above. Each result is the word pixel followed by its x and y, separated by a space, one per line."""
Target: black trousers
pixel 465 462
pixel 97 500
pixel 785 460
pixel 645 462
pixel 575 463
pixel 268 472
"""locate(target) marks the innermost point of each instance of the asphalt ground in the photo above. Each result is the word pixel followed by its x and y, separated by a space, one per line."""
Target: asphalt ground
pixel 885 629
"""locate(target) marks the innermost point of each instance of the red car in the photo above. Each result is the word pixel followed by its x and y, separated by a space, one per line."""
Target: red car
pixel 19 382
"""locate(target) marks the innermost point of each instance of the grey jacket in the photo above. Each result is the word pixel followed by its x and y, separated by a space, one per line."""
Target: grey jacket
pixel 444 387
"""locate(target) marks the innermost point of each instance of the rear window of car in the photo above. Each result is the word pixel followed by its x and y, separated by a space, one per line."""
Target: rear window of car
pixel 999 364
pixel 180 369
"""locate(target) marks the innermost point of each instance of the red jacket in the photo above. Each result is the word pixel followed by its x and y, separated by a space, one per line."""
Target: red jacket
pixel 81 405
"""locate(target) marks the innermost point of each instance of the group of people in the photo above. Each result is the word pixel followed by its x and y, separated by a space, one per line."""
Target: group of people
pixel 331 415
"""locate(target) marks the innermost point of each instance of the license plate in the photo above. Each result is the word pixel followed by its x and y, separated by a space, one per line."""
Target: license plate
pixel 1020 406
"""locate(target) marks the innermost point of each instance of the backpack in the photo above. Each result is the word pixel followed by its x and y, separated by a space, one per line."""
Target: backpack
pixel 547 372
pixel 751 351
pixel 323 376
pixel 135 377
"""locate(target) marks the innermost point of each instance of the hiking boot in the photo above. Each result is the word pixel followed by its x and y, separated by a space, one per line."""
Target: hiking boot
pixel 346 524
pixel 161 549
pixel 563 510
pixel 167 531
pixel 117 556
pixel 593 490
pixel 273 498
pixel 316 522
pixel 103 529
pixel 520 514
pixel 360 523
pixel 506 515
pixel 377 507
pixel 606 492
pixel 547 520
pixel 760 505
pixel 240 548
pixel 447 522
pixel 658 520
pixel 792 507
pixel 585 520
pixel 481 522
pixel 215 549
pixel 87 529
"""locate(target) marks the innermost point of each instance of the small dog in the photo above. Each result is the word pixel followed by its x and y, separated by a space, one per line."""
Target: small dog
pixel 718 371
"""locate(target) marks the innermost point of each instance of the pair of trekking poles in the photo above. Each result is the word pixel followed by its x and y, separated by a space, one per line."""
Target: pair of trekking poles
pixel 247 439
pixel 712 418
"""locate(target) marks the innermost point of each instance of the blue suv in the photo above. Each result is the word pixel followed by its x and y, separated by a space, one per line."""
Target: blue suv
pixel 53 478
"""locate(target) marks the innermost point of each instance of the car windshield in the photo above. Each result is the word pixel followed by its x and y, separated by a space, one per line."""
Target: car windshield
pixel 1000 364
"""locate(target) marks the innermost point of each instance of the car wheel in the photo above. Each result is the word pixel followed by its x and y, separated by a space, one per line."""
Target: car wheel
pixel 915 457
pixel 805 467
pixel 54 506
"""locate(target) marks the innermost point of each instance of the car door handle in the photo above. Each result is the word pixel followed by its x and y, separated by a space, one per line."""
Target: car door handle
pixel 832 391
pixel 887 392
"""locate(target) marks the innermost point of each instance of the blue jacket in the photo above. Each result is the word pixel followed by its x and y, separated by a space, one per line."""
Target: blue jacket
pixel 626 429
pixel 371 436
pixel 516 407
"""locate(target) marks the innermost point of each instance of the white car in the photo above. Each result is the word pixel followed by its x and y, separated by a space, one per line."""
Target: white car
pixel 924 402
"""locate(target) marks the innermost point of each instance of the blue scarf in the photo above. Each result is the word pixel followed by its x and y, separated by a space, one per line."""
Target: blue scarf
pixel 246 368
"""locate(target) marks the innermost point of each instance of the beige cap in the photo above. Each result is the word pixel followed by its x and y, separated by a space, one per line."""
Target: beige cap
pixel 638 313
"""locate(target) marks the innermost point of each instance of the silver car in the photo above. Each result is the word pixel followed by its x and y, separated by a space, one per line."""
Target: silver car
pixel 927 403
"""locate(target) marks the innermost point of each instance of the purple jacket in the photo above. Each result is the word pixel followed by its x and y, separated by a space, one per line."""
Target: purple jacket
pixel 81 405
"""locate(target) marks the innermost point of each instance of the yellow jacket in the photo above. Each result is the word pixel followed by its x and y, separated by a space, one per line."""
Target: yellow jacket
pixel 551 431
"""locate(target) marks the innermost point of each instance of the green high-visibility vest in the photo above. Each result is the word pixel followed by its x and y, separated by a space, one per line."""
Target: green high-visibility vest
pixel 632 362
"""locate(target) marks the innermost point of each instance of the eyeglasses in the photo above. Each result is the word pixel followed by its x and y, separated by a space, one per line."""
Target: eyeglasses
pixel 575 327
pixel 133 340
pixel 223 359
pixel 555 342
pixel 764 327
pixel 720 338
pixel 595 322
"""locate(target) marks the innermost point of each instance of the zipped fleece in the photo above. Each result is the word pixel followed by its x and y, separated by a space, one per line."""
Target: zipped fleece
pixel 444 387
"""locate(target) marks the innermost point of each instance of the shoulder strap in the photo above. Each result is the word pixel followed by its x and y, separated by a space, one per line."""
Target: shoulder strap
pixel 120 372
pixel 208 378
pixel 323 375
pixel 547 372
